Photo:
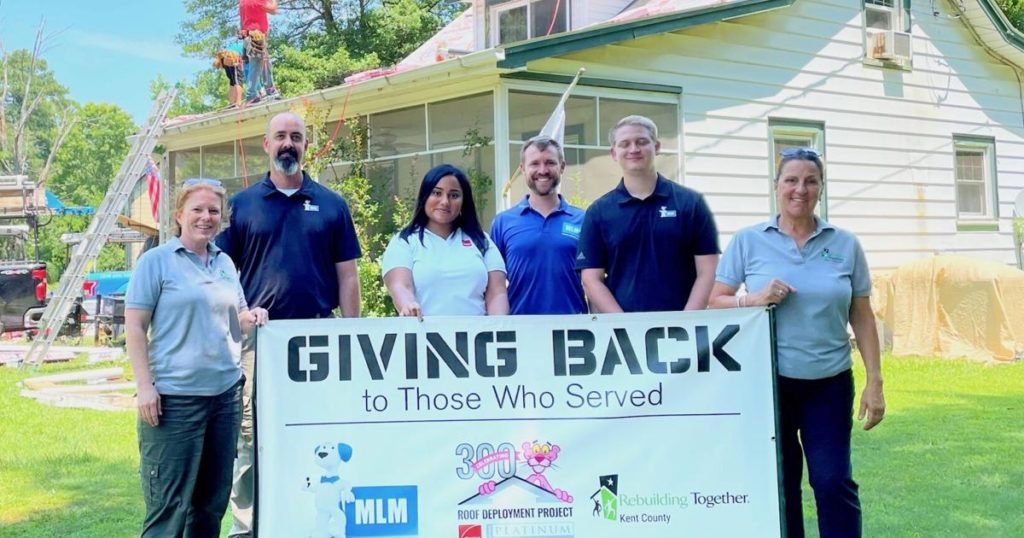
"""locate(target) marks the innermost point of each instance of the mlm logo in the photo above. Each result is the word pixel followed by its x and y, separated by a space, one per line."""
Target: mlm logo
pixel 606 498
pixel 383 511
pixel 471 531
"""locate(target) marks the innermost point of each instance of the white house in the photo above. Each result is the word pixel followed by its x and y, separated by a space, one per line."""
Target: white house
pixel 918 108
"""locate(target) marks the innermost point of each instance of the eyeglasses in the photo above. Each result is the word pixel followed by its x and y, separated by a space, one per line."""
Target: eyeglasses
pixel 800 152
pixel 202 181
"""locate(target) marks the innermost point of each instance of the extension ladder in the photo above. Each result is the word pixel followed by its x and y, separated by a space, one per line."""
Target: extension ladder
pixel 103 224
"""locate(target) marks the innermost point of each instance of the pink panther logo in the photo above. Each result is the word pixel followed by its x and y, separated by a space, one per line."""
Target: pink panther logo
pixel 539 457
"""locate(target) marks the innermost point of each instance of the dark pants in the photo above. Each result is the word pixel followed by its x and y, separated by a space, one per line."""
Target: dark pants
pixel 821 411
pixel 186 463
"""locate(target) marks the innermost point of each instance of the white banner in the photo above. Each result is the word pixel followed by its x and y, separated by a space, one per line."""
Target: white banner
pixel 659 425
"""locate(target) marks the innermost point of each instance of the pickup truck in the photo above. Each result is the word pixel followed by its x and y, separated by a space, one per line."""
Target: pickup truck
pixel 22 294
pixel 23 291
pixel 23 298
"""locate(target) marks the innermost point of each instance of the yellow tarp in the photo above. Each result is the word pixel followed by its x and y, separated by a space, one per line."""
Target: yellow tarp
pixel 953 306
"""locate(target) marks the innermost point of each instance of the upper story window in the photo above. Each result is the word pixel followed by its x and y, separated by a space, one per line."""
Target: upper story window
pixel 887 31
pixel 518 20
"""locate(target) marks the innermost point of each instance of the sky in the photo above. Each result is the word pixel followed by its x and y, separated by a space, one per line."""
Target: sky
pixel 104 51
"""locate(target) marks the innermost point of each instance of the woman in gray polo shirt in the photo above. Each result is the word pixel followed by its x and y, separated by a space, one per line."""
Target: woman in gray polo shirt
pixel 817 277
pixel 184 316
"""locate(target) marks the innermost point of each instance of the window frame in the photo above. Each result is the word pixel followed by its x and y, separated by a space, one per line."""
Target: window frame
pixel 494 18
pixel 507 163
pixel 990 182
pixel 814 132
pixel 901 21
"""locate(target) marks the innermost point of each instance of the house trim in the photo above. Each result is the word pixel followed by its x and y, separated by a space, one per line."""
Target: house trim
pixel 595 82
pixel 1002 24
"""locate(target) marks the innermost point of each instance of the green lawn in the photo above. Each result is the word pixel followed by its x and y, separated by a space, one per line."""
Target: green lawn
pixel 947 461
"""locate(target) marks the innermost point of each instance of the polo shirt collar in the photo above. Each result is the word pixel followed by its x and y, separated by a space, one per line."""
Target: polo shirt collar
pixel 524 205
pixel 176 245
pixel 305 191
pixel 662 189
pixel 456 234
pixel 819 225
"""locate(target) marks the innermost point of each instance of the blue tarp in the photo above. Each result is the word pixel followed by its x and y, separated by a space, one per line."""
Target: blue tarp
pixel 59 208
pixel 109 282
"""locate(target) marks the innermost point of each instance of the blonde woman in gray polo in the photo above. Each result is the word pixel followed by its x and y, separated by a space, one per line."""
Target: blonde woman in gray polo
pixel 185 315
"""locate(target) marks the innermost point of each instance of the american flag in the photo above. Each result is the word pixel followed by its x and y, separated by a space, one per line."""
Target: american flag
pixel 152 175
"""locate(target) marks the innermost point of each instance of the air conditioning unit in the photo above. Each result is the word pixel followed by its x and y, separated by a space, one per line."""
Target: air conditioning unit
pixel 890 45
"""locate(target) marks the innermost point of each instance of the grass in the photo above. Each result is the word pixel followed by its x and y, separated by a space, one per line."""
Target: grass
pixel 947 460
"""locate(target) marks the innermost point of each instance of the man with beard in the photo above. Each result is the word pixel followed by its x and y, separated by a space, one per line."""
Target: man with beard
pixel 295 247
pixel 538 237
pixel 650 244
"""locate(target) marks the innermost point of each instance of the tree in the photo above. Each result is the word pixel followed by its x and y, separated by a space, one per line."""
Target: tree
pixel 314 44
pixel 91 154
pixel 208 90
pixel 55 252
pixel 35 113
pixel 1014 10
pixel 213 22
pixel 320 64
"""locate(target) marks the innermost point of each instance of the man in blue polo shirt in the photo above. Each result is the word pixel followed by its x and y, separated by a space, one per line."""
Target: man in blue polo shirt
pixel 539 236
pixel 650 244
pixel 295 246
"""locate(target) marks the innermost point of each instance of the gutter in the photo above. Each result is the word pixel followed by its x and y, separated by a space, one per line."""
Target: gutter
pixel 1002 25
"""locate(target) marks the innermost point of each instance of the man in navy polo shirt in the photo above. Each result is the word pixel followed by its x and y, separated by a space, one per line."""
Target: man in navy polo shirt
pixel 650 244
pixel 295 247
pixel 539 237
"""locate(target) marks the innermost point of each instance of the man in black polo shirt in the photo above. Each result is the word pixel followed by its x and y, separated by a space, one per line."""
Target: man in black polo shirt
pixel 295 247
pixel 650 244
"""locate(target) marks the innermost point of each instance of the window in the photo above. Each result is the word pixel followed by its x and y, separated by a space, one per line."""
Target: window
pixel 590 171
pixel 795 134
pixel 974 175
pixel 518 20
pixel 887 31
pixel 398 132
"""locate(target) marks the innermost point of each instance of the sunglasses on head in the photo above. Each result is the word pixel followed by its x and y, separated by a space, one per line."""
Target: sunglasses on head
pixel 201 181
pixel 800 152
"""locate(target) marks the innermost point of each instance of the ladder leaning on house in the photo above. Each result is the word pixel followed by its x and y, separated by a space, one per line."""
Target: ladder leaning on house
pixel 101 227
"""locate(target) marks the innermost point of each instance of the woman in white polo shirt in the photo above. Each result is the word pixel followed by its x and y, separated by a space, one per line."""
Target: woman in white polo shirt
pixel 442 263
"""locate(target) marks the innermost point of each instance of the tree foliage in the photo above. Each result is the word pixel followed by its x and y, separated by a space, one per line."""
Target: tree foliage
pixel 206 91
pixel 73 150
pixel 359 24
pixel 1014 10
pixel 56 253
pixel 91 154
pixel 314 44
pixel 35 113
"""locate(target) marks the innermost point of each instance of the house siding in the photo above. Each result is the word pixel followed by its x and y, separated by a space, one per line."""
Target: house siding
pixel 888 132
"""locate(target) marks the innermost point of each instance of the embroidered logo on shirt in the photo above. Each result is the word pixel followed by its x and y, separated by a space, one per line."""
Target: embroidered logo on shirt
pixel 580 256
pixel 571 230
pixel 830 257
pixel 223 275
pixel 467 243
pixel 310 207
pixel 667 213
